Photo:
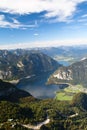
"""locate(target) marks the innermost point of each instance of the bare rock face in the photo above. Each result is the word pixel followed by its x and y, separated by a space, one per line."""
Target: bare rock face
pixel 63 74
pixel 74 74
pixel 5 75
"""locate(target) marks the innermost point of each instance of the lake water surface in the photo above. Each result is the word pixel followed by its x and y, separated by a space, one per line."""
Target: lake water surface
pixel 38 88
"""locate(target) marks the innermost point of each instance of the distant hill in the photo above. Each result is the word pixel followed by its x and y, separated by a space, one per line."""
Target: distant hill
pixel 74 74
pixel 17 64
pixel 77 51
pixel 65 55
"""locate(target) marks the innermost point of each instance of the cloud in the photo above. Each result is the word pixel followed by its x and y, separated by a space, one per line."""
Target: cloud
pixel 14 24
pixel 36 34
pixel 84 16
pixel 82 20
pixel 55 43
pixel 62 9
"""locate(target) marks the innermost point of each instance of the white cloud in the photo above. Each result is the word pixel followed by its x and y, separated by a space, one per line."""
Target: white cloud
pixel 55 43
pixel 2 17
pixel 15 24
pixel 36 34
pixel 84 16
pixel 62 9
pixel 82 20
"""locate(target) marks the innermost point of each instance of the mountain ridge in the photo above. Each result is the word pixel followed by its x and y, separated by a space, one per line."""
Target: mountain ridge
pixel 17 64
pixel 73 74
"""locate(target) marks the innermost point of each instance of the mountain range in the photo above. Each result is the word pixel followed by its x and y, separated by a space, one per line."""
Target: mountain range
pixel 18 64
pixel 65 55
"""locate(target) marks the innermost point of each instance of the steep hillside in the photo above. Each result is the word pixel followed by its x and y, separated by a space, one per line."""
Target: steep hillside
pixel 22 63
pixel 80 100
pixel 11 93
pixel 74 74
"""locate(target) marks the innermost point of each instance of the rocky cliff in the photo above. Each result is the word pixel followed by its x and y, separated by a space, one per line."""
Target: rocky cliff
pixel 74 74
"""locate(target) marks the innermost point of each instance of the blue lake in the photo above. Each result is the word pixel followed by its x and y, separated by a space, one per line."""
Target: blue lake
pixel 38 88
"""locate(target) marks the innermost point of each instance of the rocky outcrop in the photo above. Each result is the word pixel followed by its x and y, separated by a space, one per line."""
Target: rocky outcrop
pixel 64 74
pixel 74 74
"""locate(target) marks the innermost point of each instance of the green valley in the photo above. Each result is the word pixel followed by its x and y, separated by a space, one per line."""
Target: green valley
pixel 68 92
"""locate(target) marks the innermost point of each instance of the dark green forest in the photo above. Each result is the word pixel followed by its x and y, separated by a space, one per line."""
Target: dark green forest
pixel 34 111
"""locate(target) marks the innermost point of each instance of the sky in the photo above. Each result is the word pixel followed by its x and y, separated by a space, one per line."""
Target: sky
pixel 42 23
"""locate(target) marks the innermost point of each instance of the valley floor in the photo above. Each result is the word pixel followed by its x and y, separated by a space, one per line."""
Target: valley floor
pixel 69 92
